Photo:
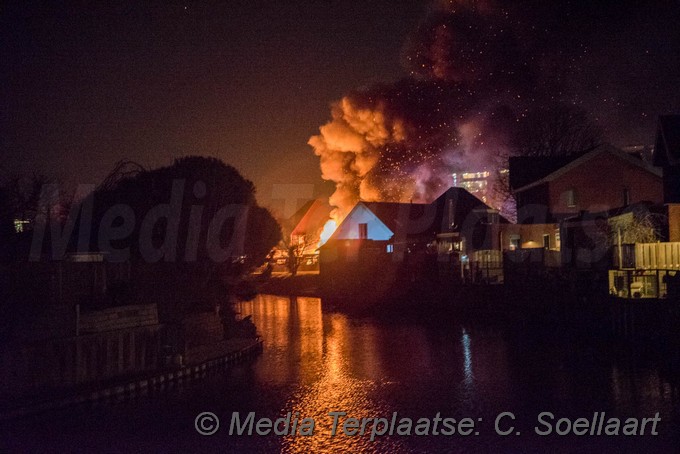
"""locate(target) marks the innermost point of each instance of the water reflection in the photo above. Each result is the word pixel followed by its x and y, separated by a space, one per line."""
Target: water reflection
pixel 337 367
pixel 329 362
pixel 315 362
pixel 467 367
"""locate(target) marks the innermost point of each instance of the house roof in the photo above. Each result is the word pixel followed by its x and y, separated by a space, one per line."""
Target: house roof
pixel 667 146
pixel 397 215
pixel 428 219
pixel 311 217
pixel 364 212
pixel 525 170
pixel 462 203
pixel 653 212
pixel 602 149
pixel 414 220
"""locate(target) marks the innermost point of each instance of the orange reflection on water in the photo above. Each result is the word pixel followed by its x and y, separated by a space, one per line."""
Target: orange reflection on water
pixel 337 371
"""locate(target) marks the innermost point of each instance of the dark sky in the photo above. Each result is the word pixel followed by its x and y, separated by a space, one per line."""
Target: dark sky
pixel 250 82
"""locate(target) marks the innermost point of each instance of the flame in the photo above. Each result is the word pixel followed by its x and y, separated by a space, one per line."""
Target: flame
pixel 328 230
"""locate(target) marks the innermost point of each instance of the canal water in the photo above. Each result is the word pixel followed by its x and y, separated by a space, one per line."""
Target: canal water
pixel 316 362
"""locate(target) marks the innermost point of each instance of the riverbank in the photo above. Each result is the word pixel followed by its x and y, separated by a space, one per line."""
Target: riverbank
pixel 549 305
pixel 302 284
pixel 237 351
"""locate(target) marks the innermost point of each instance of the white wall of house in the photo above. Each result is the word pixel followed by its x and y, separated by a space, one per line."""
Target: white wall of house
pixel 349 228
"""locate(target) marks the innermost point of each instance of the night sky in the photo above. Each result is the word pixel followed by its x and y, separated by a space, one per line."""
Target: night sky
pixel 250 82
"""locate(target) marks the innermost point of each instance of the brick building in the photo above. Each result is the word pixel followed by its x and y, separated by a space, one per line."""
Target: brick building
pixel 552 189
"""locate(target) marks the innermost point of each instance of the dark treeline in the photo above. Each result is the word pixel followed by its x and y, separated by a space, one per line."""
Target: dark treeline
pixel 186 234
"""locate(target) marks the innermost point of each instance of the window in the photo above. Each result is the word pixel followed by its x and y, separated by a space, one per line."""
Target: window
pixel 546 241
pixel 571 198
pixel 515 242
pixel 626 197
pixel 557 238
pixel 363 231
pixel 20 225
pixel 390 248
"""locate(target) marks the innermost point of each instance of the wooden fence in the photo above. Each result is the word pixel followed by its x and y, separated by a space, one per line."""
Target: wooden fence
pixel 648 256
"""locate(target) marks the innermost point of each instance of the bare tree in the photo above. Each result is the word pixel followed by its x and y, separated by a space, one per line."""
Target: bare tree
pixel 298 246
pixel 502 194
pixel 556 130
pixel 640 226
pixel 553 131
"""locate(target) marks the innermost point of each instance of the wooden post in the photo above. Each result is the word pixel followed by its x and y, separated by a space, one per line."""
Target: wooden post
pixel 620 251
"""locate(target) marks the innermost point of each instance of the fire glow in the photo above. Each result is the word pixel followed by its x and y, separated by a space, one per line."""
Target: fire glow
pixel 327 232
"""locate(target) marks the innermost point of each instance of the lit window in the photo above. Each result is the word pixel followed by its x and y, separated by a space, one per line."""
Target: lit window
pixel 390 248
pixel 19 225
pixel 514 242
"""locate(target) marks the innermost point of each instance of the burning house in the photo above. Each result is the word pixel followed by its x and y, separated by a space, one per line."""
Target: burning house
pixel 384 244
pixel 303 231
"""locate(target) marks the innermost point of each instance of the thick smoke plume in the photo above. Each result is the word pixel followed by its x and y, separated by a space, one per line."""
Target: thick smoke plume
pixel 470 80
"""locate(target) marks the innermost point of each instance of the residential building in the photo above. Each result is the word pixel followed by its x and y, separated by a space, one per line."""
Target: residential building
pixel 439 238
pixel 552 189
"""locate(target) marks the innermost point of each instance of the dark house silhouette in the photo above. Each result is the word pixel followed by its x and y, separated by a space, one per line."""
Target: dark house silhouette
pixel 667 156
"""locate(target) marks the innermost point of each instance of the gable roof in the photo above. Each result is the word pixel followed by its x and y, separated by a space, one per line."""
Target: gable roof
pixel 311 217
pixel 361 213
pixel 525 170
pixel 419 220
pixel 602 149
pixel 667 145
pixel 397 215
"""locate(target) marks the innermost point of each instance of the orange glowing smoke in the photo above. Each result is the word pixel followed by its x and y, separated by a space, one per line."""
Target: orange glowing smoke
pixel 349 147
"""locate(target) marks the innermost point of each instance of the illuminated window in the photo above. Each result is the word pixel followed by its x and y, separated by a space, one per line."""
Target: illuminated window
pixel 515 241
pixel 20 226
pixel 390 248
pixel 557 238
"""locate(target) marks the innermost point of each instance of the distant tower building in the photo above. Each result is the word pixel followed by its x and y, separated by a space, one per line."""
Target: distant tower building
pixel 479 182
